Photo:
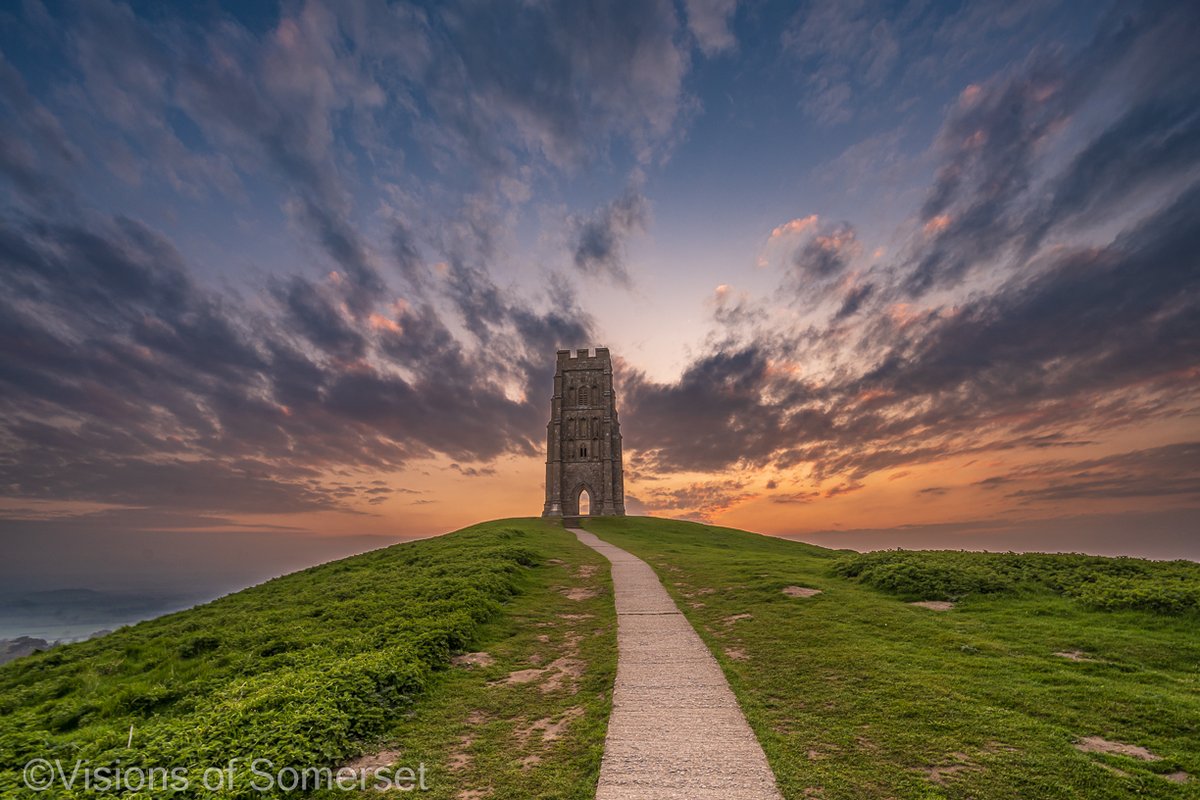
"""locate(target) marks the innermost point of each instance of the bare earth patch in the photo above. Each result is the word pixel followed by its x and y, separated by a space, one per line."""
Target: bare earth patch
pixel 1095 744
pixel 1178 777
pixel 473 660
pixel 580 593
pixel 1074 655
pixel 737 654
pixel 939 775
pixel 800 591
pixel 736 617
pixel 523 676
pixel 369 762
pixel 550 730
pixel 574 617
pixel 934 605
pixel 586 571
pixel 561 671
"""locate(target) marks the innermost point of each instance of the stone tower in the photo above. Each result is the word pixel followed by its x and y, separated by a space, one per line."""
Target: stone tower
pixel 583 438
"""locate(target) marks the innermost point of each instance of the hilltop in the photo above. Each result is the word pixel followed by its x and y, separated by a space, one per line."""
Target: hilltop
pixel 488 655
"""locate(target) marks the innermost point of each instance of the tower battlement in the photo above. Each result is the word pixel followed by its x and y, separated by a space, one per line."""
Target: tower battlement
pixel 583 437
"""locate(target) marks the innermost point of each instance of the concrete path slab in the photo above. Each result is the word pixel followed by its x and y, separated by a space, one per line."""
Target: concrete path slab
pixel 676 731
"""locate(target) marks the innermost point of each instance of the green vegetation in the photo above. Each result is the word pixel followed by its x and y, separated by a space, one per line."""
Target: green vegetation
pixel 856 694
pixel 343 659
pixel 489 656
pixel 1104 583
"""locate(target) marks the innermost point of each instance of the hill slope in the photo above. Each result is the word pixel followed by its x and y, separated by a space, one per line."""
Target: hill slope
pixel 488 656
pixel 855 693
pixel 343 660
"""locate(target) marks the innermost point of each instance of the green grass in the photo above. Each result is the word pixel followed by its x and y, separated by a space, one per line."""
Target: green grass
pixel 346 658
pixel 856 694
pixel 853 693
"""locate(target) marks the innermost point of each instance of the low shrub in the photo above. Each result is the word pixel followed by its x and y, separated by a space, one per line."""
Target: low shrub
pixel 1171 587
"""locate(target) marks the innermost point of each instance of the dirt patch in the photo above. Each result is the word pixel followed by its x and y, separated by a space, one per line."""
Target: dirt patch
pixel 460 759
pixel 558 673
pixel 368 762
pixel 473 794
pixel 469 660
pixel 550 729
pixel 1178 777
pixel 939 775
pixel 523 676
pixel 561 671
pixel 800 591
pixel 1095 744
pixel 1074 655
pixel 574 617
pixel 736 618
pixel 543 638
pixel 696 604
pixel 934 605
pixel 529 762
pixel 580 593
pixel 736 654
pixel 586 571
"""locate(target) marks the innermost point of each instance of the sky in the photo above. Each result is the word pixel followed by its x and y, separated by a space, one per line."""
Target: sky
pixel 280 281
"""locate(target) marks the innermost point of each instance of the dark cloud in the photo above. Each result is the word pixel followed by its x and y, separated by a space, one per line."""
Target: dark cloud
pixel 984 206
pixel 1111 325
pixel 1159 472
pixel 827 253
pixel 700 501
pixel 1110 328
pixel 599 240
pixel 126 382
pixel 853 300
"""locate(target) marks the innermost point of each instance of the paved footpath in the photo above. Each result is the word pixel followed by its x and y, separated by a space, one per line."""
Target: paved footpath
pixel 676 731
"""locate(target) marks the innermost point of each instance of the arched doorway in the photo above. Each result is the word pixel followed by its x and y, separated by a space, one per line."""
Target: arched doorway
pixel 585 502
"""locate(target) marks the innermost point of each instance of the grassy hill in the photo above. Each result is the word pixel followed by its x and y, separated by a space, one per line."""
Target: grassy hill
pixel 488 656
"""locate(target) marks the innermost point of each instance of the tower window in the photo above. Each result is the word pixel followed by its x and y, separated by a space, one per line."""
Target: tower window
pixel 583 395
pixel 583 451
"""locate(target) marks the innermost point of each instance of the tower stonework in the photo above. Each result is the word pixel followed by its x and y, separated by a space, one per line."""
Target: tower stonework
pixel 583 438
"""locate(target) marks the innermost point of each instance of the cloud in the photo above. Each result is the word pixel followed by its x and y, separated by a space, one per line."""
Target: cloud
pixel 866 57
pixel 795 227
pixel 710 23
pixel 558 81
pixel 826 254
pixel 1159 472
pixel 599 240
pixel 700 501
pixel 1111 328
pixel 986 202
pixel 127 382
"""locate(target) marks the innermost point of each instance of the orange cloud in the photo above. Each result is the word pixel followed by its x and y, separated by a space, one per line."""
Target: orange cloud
pixel 937 224
pixel 382 323
pixel 796 226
